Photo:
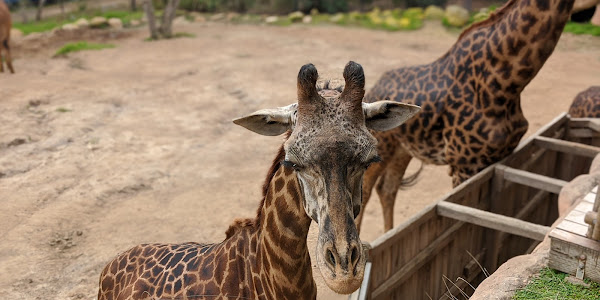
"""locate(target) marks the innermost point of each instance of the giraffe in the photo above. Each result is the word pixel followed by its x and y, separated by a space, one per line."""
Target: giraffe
pixel 586 104
pixel 5 25
pixel 471 111
pixel 316 176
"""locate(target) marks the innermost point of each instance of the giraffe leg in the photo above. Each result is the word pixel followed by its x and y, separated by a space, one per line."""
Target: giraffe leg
pixel 389 183
pixel 1 61
pixel 8 57
pixel 369 180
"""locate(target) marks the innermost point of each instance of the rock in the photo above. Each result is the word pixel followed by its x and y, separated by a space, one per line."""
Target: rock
pixel 70 27
pixel 217 17
pixel 296 16
pixel 16 33
pixel 307 19
pixel 271 19
pixel 82 23
pixel 513 274
pixel 433 12
pixel 456 15
pixel 115 23
pixel 135 23
pixel 199 19
pixel 97 22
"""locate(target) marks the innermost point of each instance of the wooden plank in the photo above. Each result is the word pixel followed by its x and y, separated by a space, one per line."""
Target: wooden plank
pixel 591 123
pixel 493 221
pixel 419 260
pixel 584 207
pixel 533 180
pixel 573 227
pixel 590 197
pixel 579 133
pixel 575 239
pixel 567 147
pixel 576 216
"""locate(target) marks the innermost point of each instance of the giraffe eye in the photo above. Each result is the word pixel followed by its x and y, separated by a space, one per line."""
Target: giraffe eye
pixel 289 164
pixel 373 160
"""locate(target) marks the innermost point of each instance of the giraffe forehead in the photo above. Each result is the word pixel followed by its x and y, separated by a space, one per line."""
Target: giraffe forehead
pixel 331 143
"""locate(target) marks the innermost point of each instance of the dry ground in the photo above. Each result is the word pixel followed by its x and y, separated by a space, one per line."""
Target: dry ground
pixel 106 149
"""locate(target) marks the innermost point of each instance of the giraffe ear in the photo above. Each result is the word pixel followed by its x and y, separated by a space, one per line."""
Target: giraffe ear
pixel 385 115
pixel 273 121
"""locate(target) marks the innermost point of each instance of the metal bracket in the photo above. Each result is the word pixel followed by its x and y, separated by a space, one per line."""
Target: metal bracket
pixel 581 267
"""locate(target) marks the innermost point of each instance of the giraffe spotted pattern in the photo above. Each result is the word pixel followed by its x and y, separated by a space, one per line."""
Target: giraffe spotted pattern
pixel 471 113
pixel 586 104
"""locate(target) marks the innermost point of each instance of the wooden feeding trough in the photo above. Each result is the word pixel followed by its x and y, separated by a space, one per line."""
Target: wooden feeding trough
pixel 502 212
pixel 575 241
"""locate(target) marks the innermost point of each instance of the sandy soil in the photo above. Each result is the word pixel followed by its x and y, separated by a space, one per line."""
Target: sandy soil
pixel 107 149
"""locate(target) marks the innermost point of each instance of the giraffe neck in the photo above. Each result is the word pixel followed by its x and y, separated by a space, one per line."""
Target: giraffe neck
pixel 282 250
pixel 518 38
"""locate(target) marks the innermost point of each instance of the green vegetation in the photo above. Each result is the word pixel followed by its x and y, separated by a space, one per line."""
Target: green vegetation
pixel 44 25
pixel 582 28
pixel 551 284
pixel 81 46
pixel 63 110
pixel 49 24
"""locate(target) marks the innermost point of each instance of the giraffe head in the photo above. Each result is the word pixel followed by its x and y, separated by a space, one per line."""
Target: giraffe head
pixel 329 148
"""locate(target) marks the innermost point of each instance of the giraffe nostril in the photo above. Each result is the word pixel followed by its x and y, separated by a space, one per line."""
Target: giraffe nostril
pixel 354 256
pixel 330 257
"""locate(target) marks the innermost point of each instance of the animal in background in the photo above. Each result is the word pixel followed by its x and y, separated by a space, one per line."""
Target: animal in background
pixel 586 104
pixel 5 25
pixel 470 97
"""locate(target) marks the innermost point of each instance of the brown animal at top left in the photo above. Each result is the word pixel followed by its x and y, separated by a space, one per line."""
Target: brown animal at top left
pixel 5 25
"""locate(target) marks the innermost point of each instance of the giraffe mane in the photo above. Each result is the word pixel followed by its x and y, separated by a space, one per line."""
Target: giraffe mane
pixel 239 224
pixel 495 16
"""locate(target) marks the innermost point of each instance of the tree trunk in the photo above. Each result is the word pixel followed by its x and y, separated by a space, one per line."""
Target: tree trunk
pixel 149 8
pixel 38 15
pixel 133 5
pixel 62 8
pixel 22 5
pixel 168 16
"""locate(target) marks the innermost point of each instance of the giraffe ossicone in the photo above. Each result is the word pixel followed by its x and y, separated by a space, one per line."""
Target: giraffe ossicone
pixel 316 176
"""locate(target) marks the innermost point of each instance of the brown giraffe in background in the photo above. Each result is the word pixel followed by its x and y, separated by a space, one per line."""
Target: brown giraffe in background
pixel 317 176
pixel 586 104
pixel 5 25
pixel 471 113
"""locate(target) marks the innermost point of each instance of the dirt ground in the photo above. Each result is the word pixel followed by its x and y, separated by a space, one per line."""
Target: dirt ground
pixel 107 149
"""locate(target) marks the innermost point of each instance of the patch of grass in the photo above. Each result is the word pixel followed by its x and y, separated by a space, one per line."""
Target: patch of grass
pixel 41 26
pixel 81 46
pixel 551 284
pixel 582 28
pixel 63 110
pixel 183 35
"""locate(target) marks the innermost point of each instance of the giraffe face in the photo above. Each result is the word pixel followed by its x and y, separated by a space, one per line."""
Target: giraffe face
pixel 329 149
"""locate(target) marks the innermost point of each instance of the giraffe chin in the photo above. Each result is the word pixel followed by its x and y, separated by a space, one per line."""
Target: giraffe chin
pixel 341 281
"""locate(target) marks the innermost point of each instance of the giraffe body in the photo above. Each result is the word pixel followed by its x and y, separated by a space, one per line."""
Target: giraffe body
pixel 5 25
pixel 316 176
pixel 471 113
pixel 586 104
